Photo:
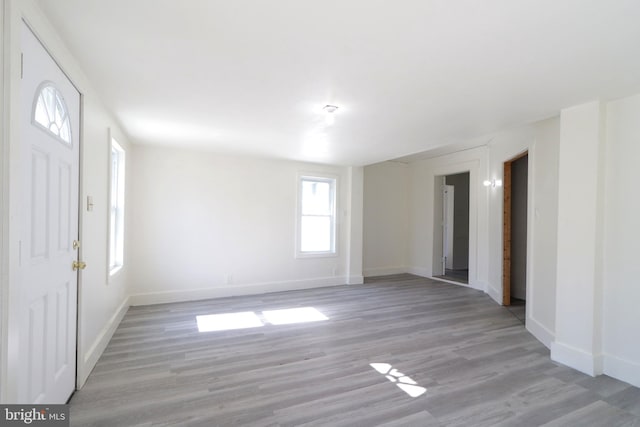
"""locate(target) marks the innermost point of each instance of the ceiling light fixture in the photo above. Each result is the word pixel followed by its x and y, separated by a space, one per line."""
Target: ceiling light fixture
pixel 493 183
pixel 329 109
pixel 329 114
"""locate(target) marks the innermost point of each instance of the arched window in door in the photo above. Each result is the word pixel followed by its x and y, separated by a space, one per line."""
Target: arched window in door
pixel 50 113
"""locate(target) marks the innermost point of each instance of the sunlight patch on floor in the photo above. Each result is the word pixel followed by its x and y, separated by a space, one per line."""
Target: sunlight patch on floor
pixel 403 382
pixel 228 321
pixel 249 319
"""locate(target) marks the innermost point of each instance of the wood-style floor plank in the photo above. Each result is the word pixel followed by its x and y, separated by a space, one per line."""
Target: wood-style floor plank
pixel 477 362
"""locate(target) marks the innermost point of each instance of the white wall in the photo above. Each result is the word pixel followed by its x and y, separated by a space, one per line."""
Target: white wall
pixel 579 243
pixel 485 250
pixel 386 218
pixel 208 225
pixel 103 299
pixel 621 302
pixel 542 208
pixel 100 303
pixel 597 294
pixel 424 229
pixel 354 228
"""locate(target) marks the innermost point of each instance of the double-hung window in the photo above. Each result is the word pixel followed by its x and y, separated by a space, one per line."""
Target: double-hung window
pixel 316 216
pixel 116 206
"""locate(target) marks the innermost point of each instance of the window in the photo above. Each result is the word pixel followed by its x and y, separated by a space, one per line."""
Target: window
pixel 116 204
pixel 317 216
pixel 50 113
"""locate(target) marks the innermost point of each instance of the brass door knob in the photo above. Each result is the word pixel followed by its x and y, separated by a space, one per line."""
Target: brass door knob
pixel 79 265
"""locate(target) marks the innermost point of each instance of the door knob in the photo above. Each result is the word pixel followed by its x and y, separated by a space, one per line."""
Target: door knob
pixel 79 265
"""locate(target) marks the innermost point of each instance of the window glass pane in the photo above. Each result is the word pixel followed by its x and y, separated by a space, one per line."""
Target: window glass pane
pixel 65 130
pixel 49 100
pixel 112 240
pixel 59 113
pixel 116 219
pixel 316 198
pixel 315 234
pixel 114 178
pixel 41 113
pixel 50 112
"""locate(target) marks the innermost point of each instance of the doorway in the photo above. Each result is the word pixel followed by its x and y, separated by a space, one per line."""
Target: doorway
pixel 455 228
pixel 514 277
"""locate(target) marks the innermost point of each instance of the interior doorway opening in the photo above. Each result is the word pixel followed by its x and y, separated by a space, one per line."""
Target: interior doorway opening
pixel 514 277
pixel 453 247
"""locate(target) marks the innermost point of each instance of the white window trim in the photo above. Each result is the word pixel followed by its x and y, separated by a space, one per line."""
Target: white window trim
pixel 321 177
pixel 113 267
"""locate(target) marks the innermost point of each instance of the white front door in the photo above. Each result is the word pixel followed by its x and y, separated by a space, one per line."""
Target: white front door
pixel 48 285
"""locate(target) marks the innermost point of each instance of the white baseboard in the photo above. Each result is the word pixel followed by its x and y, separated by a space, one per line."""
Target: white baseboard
pixel 480 286
pixel 419 271
pixel 452 282
pixel 590 364
pixel 538 330
pixel 621 369
pixel 494 294
pixel 234 290
pixel 89 359
pixel 355 280
pixel 384 271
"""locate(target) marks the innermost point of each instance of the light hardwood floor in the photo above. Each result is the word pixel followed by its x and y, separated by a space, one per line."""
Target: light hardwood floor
pixel 479 365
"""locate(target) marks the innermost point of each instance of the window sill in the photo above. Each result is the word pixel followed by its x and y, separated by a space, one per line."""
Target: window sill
pixel 306 255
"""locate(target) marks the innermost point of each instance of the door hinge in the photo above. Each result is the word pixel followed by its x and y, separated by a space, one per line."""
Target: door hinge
pixel 21 65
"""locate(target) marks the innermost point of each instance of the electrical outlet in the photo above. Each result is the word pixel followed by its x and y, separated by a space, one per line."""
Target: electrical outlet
pixel 229 279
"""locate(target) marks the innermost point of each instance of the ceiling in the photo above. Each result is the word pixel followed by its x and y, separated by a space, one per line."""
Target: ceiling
pixel 251 77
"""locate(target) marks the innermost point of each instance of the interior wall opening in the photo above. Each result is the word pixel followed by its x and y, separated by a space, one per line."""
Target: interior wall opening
pixel 453 247
pixel 515 235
